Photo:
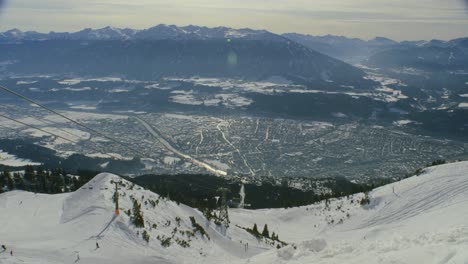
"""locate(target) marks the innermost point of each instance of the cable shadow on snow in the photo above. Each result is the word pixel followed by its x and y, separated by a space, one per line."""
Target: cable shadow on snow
pixel 99 236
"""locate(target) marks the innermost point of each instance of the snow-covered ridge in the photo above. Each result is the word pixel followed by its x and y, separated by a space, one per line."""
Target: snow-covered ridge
pixel 421 219
pixel 42 228
pixel 158 32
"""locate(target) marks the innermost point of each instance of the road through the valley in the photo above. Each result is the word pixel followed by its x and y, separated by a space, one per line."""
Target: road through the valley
pixel 168 146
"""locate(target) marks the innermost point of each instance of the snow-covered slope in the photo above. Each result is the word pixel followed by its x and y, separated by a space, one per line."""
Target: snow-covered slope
pixel 52 229
pixel 422 219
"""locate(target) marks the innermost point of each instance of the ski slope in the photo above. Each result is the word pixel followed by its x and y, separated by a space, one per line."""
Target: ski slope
pixel 422 219
pixel 50 229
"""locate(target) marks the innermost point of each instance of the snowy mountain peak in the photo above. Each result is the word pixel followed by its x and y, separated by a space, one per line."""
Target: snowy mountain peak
pixel 383 40
pixel 68 227
pixel 158 32
pixel 14 33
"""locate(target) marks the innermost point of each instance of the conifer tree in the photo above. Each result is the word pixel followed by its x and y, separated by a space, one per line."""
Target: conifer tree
pixel 265 231
pixel 137 217
pixel 255 229
pixel 19 183
pixel 9 180
pixel 29 173
pixel 57 181
pixel 3 182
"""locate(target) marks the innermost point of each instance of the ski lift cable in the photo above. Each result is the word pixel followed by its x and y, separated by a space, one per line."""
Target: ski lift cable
pixel 72 120
pixel 53 134
pixel 49 122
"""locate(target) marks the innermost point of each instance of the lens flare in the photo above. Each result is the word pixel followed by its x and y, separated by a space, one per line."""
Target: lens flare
pixel 232 58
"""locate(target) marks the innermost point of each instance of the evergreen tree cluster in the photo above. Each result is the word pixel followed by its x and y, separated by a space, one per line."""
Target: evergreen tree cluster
pixel 265 235
pixel 185 188
pixel 40 180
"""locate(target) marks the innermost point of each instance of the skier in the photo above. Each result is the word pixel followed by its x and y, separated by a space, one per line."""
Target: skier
pixel 11 253
pixel 97 245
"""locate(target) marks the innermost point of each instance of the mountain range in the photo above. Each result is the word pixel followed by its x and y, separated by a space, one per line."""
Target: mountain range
pixel 351 50
pixel 154 33
pixel 175 51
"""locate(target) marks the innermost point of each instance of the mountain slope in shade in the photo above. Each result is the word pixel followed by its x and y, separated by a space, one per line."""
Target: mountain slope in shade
pixel 172 51
pixel 434 55
pixel 241 58
pixel 351 50
pixel 421 219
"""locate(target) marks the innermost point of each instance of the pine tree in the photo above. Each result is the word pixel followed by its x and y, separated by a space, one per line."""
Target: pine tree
pixel 76 184
pixel 9 180
pixel 29 173
pixel 273 236
pixel 145 236
pixel 19 183
pixel 137 217
pixel 57 181
pixel 3 182
pixel 255 230
pixel 41 181
pixel 265 231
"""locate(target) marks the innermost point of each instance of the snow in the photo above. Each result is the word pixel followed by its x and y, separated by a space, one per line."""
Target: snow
pixel 106 156
pixel 25 82
pixel 421 219
pixel 64 132
pixel 168 160
pixel 83 107
pixel 13 161
pixel 119 90
pixel 463 105
pixel 424 221
pixel 54 229
pixel 79 80
pixel 267 86
pixel 402 122
pixel 78 89
pixel 191 97
pixel 339 115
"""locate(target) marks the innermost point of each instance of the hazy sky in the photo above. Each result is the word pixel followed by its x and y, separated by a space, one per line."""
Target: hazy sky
pixel 397 19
